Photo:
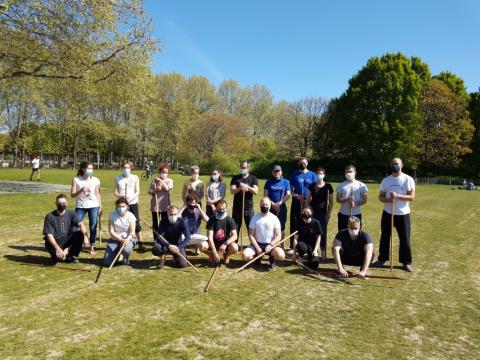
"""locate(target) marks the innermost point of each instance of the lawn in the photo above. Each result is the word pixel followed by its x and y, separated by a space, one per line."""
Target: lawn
pixel 145 313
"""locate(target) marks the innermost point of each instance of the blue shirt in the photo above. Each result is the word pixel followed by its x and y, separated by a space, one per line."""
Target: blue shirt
pixel 300 182
pixel 277 189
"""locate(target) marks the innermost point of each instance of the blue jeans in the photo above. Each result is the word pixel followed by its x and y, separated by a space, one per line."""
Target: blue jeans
pixel 92 221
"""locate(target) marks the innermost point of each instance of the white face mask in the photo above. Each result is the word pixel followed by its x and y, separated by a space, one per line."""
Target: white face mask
pixel 353 232
pixel 349 176
pixel 320 177
pixel 163 176
pixel 243 171
pixel 126 171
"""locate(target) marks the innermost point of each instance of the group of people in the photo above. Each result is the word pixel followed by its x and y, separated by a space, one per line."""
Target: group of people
pixel 175 228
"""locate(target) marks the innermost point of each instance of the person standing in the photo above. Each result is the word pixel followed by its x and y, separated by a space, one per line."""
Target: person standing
pixel 85 190
pixel 194 186
pixel 160 189
pixel 241 184
pixel 277 189
pixel 396 190
pixel 320 194
pixel 127 185
pixel 35 167
pixel 351 194
pixel 215 191
pixel 299 182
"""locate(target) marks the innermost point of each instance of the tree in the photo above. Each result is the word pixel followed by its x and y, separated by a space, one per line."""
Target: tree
pixel 455 84
pixel 472 160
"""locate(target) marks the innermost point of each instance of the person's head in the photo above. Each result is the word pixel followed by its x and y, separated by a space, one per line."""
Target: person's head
pixel 85 168
pixel 265 205
pixel 216 175
pixel 277 172
pixel 307 214
pixel 195 172
pixel 172 214
pixel 126 166
pixel 396 166
pixel 350 172
pixel 353 226
pixel 221 207
pixel 121 206
pixel 61 202
pixel 191 200
pixel 244 167
pixel 163 170
pixel 320 173
pixel 302 163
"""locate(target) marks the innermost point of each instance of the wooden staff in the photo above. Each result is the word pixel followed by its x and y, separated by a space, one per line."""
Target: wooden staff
pixel 326 235
pixel 116 257
pixel 351 275
pixel 161 237
pixel 391 234
pixel 263 253
pixel 57 267
pixel 211 278
pixel 157 206
pixel 242 219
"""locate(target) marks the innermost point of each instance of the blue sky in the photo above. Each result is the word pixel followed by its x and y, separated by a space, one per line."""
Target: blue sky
pixel 312 48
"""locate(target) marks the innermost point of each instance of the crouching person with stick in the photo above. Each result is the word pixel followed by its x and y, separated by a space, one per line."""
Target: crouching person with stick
pixel 353 246
pixel 64 233
pixel 264 233
pixel 121 226
pixel 169 238
pixel 309 235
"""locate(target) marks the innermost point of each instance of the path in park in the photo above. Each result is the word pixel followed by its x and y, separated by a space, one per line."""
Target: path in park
pixel 11 187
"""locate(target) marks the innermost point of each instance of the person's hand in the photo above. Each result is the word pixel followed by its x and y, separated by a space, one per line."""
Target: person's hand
pixel 268 249
pixel 100 211
pixel 125 241
pixel 216 257
pixel 394 196
pixel 276 207
pixel 361 274
pixel 315 253
pixel 258 251
pixel 351 202
pixel 84 189
pixel 60 254
pixel 209 203
pixel 173 249
pixel 222 248
pixel 86 242
pixel 343 273
pixel 198 206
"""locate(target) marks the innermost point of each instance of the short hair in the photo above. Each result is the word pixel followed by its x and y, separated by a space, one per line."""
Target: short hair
pixel 353 220
pixel 172 207
pixel 191 197
pixel 125 162
pixel 245 161
pixel 307 208
pixel 351 166
pixel 121 200
pixel 221 202
pixel 302 158
pixel 163 166
pixel 321 169
pixel 61 196
pixel 194 168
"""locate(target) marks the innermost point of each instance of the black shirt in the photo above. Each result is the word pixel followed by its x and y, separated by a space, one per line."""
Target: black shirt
pixel 222 228
pixel 308 232
pixel 60 226
pixel 318 201
pixel 353 248
pixel 251 181
pixel 173 232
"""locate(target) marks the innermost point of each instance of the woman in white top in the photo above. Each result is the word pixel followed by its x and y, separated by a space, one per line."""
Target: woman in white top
pixel 121 226
pixel 215 191
pixel 86 192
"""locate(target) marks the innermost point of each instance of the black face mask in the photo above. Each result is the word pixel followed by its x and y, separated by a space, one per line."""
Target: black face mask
pixel 264 209
pixel 302 166
pixel 394 169
pixel 61 207
pixel 306 216
pixel 190 207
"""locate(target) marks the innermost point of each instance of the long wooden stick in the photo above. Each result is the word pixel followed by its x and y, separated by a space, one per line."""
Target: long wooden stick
pixel 391 234
pixel 242 219
pixel 263 253
pixel 211 278
pixel 116 257
pixel 161 237
pixel 57 267
pixel 157 206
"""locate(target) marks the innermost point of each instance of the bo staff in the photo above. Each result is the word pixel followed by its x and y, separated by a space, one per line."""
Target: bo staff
pixel 161 237
pixel 263 253
pixel 211 278
pixel 391 234
pixel 242 219
pixel 350 274
pixel 116 257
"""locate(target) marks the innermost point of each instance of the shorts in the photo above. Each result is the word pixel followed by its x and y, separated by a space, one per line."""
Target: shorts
pixel 250 250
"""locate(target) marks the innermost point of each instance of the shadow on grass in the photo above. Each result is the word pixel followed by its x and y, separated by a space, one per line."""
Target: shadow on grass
pixel 27 248
pixel 30 259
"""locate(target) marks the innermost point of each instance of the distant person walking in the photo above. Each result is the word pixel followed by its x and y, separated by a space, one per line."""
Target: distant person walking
pixel 35 167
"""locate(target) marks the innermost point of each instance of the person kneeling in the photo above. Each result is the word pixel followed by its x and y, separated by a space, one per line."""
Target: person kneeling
pixel 193 215
pixel 353 246
pixel 121 226
pixel 222 235
pixel 264 233
pixel 309 235
pixel 62 238
pixel 170 240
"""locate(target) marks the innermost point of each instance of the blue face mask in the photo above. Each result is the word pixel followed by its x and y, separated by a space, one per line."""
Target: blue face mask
pixel 126 171
pixel 221 213
pixel 172 219
pixel 121 210
pixel 89 172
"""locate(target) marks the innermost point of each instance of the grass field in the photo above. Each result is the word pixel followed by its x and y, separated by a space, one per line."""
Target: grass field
pixel 138 312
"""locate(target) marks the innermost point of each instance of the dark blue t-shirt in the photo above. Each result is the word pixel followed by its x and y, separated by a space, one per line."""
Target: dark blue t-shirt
pixel 300 182
pixel 353 248
pixel 277 189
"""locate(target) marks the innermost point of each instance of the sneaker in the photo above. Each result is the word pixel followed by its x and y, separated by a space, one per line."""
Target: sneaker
pixel 161 263
pixel 407 267
pixel 378 264
pixel 141 247
pixel 71 260
pixel 120 258
pixel 126 261
pixel 273 263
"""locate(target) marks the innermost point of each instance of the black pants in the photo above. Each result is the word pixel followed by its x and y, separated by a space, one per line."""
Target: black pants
pixel 304 248
pixel 133 208
pixel 74 242
pixel 295 217
pixel 402 224
pixel 323 223
pixel 343 221
pixel 237 216
pixel 156 221
pixel 159 250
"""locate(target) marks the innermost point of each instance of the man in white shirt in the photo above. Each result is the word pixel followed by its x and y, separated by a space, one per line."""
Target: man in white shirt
pixel 397 191
pixel 35 167
pixel 264 233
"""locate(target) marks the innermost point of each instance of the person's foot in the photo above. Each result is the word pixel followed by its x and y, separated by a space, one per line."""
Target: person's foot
pixel 120 258
pixel 141 247
pixel 289 252
pixel 92 250
pixel 272 262
pixel 407 267
pixel 126 261
pixel 71 260
pixel 161 263
pixel 378 264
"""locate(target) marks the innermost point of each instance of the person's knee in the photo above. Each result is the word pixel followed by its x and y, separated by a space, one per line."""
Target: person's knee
pixel 203 247
pixel 247 254
pixel 232 248
pixel 278 254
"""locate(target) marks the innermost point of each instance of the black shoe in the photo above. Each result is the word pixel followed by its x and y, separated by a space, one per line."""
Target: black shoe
pixel 71 260
pixel 141 247
pixel 378 264
pixel 273 263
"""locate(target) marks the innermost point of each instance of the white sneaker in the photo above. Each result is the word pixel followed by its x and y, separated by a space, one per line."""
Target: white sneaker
pixel 120 258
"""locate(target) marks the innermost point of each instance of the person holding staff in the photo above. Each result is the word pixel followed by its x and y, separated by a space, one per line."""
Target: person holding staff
pixel 127 185
pixel 121 226
pixel 215 191
pixel 396 190
pixel 160 189
pixel 85 190
pixel 320 199
pixel 351 194
pixel 277 189
pixel 194 186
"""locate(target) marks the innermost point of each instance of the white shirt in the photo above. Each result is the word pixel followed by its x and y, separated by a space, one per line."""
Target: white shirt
pixel 35 163
pixel 347 189
pixel 264 227
pixel 127 182
pixel 89 199
pixel 401 184
pixel 121 224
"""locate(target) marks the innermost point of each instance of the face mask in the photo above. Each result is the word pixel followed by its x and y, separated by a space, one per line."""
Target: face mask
pixel 320 177
pixel 125 171
pixel 89 172
pixel 121 210
pixel 395 168
pixel 195 177
pixel 214 178
pixel 307 217
pixel 191 206
pixel 172 219
pixel 61 207
pixel 264 209
pixel 349 176
pixel 302 166
pixel 353 232
pixel 243 171
pixel 163 176
pixel 221 213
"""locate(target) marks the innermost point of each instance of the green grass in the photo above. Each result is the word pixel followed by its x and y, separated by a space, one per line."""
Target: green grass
pixel 136 312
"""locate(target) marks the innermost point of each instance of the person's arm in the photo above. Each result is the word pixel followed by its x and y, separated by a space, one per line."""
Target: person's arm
pixel 363 199
pixel 184 192
pixel 251 236
pixel 286 197
pixel 337 246
pixel 309 197
pixel 265 193
pixel 383 199
pixel 235 187
pixel 276 240
pixel 330 204
pixel 212 245
pixel 58 250
pixel 317 245
pixel 410 196
pixel 111 229
pixel 73 189
pixel 204 215
pixel 136 188
pixel 368 248
pixel 99 198
pixel 186 233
